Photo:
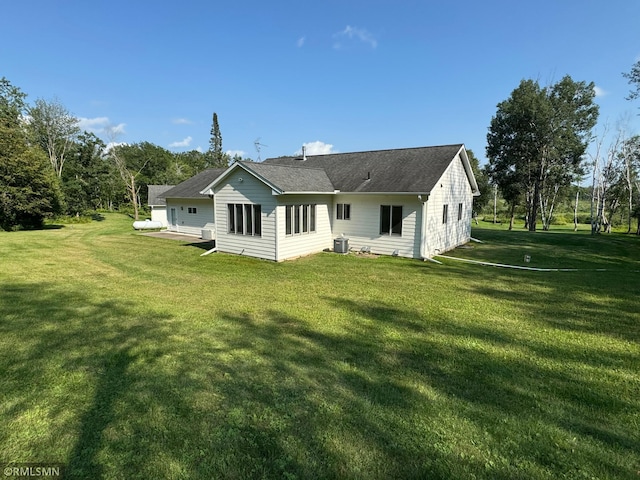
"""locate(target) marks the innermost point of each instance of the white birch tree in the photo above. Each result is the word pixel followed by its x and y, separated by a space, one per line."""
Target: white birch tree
pixel 54 129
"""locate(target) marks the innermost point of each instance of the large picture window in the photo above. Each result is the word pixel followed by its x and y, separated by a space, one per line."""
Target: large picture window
pixel 300 219
pixel 391 219
pixel 244 219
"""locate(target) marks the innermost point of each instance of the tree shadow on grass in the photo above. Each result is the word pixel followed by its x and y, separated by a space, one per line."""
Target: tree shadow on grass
pixel 499 378
pixel 127 391
pixel 69 369
pixel 584 301
pixel 359 404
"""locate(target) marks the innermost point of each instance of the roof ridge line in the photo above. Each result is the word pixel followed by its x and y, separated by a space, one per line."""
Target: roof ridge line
pixel 287 166
pixel 366 151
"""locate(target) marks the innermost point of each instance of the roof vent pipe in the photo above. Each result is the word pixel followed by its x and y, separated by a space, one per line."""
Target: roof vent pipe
pixel 304 153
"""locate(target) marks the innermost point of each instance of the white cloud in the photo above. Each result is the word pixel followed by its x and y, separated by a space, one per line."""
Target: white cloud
pixel 93 124
pixel 182 121
pixel 354 33
pixel 300 42
pixel 199 149
pixel 183 143
pixel 600 92
pixel 316 148
pixel 233 153
pixel 101 125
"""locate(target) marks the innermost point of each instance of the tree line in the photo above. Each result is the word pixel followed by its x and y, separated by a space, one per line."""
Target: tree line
pixel 50 167
pixel 536 145
pixel 537 149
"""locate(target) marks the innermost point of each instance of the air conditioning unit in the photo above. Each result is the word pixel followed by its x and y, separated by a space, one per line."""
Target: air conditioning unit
pixel 341 245
pixel 208 232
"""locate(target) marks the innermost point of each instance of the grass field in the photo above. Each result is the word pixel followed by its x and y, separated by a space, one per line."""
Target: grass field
pixel 126 356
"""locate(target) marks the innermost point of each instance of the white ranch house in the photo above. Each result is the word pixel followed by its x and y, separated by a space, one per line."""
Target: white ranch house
pixel 414 202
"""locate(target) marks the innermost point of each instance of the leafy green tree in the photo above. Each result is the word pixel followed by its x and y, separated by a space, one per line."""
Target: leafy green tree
pixel 142 164
pixel 482 179
pixel 634 79
pixel 29 190
pixel 87 177
pixel 187 164
pixel 537 140
pixel 54 129
pixel 630 156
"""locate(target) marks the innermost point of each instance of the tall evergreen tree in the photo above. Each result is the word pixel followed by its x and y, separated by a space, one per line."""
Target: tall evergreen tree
pixel 217 158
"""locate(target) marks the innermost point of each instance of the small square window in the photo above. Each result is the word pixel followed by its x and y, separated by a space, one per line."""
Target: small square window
pixel 343 211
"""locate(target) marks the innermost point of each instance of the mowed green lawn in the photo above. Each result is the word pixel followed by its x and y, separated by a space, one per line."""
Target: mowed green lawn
pixel 126 356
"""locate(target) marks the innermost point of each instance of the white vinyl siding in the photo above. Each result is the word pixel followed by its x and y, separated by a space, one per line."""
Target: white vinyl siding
pixel 363 230
pixel 452 189
pixel 304 242
pixel 159 214
pixel 248 191
pixel 191 223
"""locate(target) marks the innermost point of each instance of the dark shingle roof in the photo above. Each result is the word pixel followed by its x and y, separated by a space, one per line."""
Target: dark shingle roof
pixel 292 178
pixel 154 194
pixel 407 170
pixel 192 187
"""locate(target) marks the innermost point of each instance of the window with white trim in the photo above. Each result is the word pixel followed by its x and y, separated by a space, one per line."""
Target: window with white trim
pixel 390 219
pixel 192 210
pixel 459 211
pixel 244 219
pixel 343 211
pixel 300 219
pixel 445 213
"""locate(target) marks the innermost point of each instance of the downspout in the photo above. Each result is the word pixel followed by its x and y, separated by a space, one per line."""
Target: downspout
pixel 423 241
pixel 277 231
pixel 423 228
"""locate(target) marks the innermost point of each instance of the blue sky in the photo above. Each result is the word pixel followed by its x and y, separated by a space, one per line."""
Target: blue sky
pixel 338 75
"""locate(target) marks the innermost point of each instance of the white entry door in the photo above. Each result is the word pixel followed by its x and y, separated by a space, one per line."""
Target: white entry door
pixel 174 219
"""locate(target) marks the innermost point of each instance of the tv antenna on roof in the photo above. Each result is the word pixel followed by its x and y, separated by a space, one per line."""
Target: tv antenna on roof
pixel 258 145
